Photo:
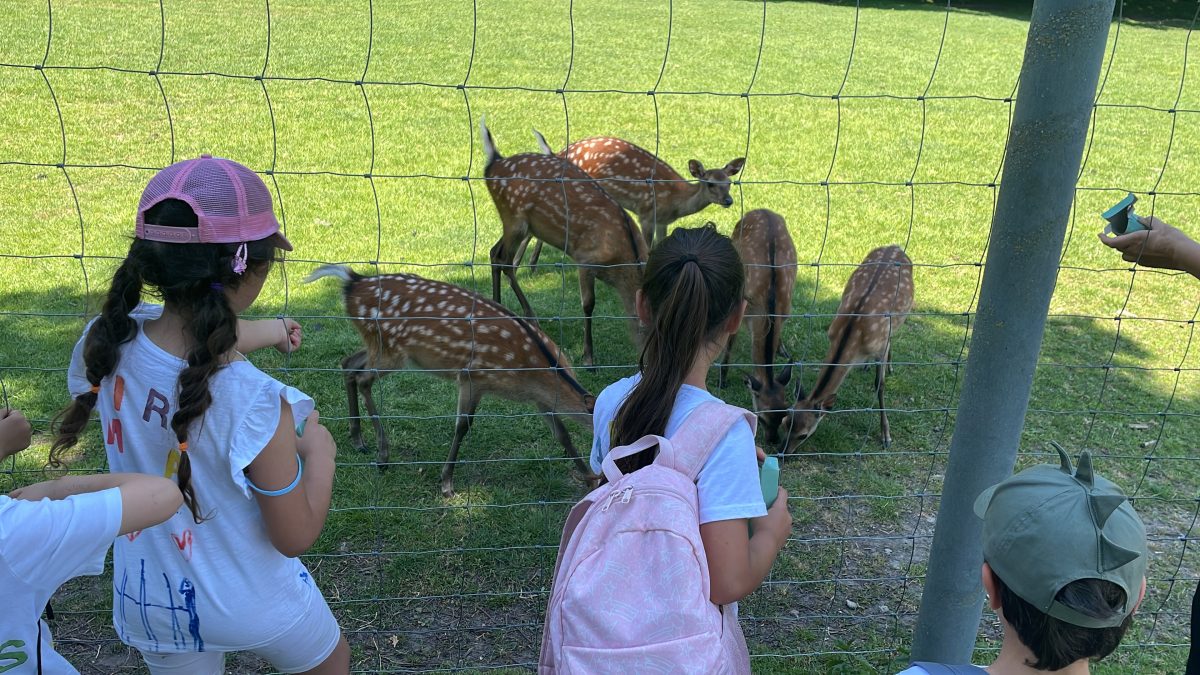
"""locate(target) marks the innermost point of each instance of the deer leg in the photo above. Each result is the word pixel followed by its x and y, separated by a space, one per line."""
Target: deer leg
pixel 381 455
pixel 723 371
pixel 537 254
pixel 646 220
pixel 880 376
pixel 502 261
pixel 350 365
pixel 560 434
pixel 889 358
pixel 468 401
pixel 587 293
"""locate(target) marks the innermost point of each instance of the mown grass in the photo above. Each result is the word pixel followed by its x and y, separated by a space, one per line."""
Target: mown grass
pixel 422 582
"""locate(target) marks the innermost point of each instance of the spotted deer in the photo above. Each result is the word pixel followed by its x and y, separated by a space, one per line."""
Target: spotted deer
pixel 762 240
pixel 407 320
pixel 644 184
pixel 877 300
pixel 552 199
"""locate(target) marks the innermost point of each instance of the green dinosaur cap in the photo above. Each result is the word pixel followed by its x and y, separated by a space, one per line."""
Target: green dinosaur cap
pixel 1048 526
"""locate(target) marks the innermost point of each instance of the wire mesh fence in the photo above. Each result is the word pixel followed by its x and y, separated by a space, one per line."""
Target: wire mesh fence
pixel 862 124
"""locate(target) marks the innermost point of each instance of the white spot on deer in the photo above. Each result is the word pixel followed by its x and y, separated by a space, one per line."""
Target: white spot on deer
pixel 505 333
pixel 374 313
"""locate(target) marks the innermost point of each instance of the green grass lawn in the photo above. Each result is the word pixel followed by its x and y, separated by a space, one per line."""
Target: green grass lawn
pixel 422 582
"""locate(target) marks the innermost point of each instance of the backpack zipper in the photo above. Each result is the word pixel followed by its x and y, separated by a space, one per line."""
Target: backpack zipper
pixel 612 497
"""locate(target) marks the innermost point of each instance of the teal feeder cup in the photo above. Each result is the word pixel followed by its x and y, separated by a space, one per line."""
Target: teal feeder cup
pixel 1121 218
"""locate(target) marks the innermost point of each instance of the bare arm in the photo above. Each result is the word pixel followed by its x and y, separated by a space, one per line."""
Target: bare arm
pixel 282 334
pixel 146 500
pixel 1159 246
pixel 738 562
pixel 15 432
pixel 294 520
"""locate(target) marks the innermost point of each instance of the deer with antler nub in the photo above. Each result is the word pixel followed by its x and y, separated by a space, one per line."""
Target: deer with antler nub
pixel 875 303
pixel 407 320
pixel 554 200
pixel 766 249
pixel 644 184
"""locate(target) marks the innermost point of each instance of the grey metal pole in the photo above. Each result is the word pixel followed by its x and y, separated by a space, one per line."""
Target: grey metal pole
pixel 1063 54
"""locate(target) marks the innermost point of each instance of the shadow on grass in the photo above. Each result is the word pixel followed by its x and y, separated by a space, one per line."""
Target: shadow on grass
pixel 1153 13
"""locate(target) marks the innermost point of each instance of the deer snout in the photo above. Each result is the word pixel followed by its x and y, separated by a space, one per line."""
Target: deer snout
pixel 727 202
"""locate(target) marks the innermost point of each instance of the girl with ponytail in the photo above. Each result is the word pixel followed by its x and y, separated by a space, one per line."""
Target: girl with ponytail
pixel 690 302
pixel 176 398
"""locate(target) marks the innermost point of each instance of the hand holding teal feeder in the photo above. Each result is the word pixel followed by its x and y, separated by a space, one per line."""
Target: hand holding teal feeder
pixel 768 478
pixel 1121 218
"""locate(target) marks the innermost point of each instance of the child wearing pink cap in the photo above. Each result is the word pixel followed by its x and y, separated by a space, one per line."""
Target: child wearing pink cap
pixel 176 398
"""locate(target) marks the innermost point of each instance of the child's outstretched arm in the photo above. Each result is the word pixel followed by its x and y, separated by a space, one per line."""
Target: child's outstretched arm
pixel 1159 246
pixel 297 502
pixel 737 563
pixel 15 432
pixel 146 500
pixel 282 334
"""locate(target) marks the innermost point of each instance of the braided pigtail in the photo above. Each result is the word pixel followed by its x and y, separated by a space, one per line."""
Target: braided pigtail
pixel 213 327
pixel 101 350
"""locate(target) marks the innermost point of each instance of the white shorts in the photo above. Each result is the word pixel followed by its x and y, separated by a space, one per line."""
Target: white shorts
pixel 301 648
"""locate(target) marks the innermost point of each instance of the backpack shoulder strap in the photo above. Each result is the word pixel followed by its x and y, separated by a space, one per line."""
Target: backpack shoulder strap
pixel 948 669
pixel 700 432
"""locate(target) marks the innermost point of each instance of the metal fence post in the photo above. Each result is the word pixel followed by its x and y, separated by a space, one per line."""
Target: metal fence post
pixel 1063 53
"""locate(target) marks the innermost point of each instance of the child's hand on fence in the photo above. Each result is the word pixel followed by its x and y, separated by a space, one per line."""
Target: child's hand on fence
pixel 1160 246
pixel 777 522
pixel 292 337
pixel 15 432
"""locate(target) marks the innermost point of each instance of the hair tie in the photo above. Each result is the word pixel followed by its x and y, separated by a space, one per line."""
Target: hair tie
pixel 182 447
pixel 689 257
pixel 239 259
pixel 217 287
pixel 95 389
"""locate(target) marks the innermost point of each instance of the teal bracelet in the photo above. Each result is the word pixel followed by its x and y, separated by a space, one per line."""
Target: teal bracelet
pixel 282 491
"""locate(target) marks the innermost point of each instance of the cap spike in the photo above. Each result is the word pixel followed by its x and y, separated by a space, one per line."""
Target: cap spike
pixel 1084 473
pixel 1104 505
pixel 1113 556
pixel 1063 458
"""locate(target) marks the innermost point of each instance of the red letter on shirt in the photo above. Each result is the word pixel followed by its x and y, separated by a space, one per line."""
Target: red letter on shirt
pixel 114 432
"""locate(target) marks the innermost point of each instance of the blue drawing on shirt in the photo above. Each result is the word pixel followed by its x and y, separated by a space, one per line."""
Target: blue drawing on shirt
pixel 146 607
pixel 304 577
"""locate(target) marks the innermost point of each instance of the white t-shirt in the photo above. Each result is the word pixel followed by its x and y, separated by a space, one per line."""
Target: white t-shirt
pixel 179 586
pixel 728 485
pixel 42 545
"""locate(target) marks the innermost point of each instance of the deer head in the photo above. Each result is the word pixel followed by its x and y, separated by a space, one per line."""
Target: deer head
pixel 714 183
pixel 770 401
pixel 804 417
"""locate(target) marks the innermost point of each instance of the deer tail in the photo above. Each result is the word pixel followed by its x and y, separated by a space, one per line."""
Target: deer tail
pixel 541 141
pixel 343 272
pixel 490 153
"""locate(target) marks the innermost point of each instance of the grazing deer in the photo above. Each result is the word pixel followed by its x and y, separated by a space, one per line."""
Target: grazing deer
pixel 644 184
pixel 766 248
pixel 455 334
pixel 552 199
pixel 876 302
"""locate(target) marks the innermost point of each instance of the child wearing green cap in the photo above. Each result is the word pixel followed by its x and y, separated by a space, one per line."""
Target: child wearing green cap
pixel 1064 568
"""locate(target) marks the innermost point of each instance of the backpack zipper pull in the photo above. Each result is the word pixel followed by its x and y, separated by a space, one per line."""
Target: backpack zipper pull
pixel 627 495
pixel 612 497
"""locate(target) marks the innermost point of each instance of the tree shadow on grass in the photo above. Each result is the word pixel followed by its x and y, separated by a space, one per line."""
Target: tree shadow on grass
pixel 1152 13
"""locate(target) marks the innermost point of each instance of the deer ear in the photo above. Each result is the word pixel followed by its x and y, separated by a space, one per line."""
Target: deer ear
pixel 827 404
pixel 735 167
pixel 696 168
pixel 753 383
pixel 785 376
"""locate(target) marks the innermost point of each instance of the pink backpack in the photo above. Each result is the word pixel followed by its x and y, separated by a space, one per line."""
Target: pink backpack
pixel 631 585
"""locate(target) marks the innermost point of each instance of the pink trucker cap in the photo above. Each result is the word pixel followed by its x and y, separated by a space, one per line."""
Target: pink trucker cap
pixel 231 202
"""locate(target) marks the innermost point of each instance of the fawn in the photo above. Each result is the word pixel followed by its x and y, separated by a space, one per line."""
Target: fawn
pixel 646 185
pixel 552 199
pixel 766 248
pixel 453 333
pixel 877 300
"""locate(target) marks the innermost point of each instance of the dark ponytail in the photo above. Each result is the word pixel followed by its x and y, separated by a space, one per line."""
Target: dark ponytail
pixel 192 279
pixel 694 282
pixel 101 350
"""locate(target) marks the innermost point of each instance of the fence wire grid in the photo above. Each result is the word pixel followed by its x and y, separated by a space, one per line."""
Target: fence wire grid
pixel 862 124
